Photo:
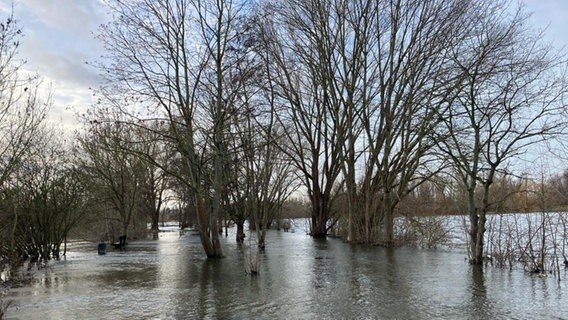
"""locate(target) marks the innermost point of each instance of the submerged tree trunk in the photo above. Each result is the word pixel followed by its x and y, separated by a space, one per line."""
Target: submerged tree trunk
pixel 478 219
pixel 211 246
pixel 388 220
pixel 474 257
pixel 124 230
pixel 477 232
pixel 319 216
pixel 262 239
pixel 351 185
pixel 216 234
pixel 240 230
pixel 475 251
pixel 319 229
pixel 155 229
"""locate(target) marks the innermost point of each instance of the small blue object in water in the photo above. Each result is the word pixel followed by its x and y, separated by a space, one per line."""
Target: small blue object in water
pixel 102 248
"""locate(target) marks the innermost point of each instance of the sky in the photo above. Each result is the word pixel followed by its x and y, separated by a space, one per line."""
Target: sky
pixel 59 38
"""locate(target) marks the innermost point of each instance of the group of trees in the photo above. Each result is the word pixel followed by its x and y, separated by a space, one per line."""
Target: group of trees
pixel 363 101
pixel 49 186
pixel 230 106
pixel 41 194
pixel 197 68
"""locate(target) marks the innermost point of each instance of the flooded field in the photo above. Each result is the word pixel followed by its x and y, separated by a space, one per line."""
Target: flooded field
pixel 300 278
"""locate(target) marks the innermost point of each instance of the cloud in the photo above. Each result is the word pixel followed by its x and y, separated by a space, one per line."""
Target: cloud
pixel 68 103
pixel 58 40
pixel 76 16
pixel 67 67
pixel 550 16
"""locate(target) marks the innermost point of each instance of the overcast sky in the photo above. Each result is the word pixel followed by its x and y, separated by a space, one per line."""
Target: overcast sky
pixel 59 39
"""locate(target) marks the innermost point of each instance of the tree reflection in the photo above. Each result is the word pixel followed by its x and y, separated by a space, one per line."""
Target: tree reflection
pixel 480 305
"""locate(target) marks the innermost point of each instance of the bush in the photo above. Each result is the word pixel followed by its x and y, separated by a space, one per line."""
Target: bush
pixel 425 232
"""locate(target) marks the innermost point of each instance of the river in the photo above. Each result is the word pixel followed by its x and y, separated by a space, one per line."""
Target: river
pixel 300 278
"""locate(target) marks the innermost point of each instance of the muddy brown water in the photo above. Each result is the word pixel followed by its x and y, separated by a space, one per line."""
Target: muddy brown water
pixel 300 278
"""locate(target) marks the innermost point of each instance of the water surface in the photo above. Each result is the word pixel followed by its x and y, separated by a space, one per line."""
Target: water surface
pixel 300 278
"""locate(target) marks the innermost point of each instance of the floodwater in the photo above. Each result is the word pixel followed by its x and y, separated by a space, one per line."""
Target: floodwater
pixel 300 278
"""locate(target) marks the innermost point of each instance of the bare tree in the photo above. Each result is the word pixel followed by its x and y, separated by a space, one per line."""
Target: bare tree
pixel 414 82
pixel 170 57
pixel 511 99
pixel 117 174
pixel 263 173
pixel 151 149
pixel 22 109
pixel 363 79
pixel 22 113
pixel 49 199
pixel 318 49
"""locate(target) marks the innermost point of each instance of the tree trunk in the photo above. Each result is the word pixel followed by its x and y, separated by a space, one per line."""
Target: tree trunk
pixel 350 172
pixel 473 242
pixel 481 219
pixel 478 218
pixel 367 222
pixel 204 227
pixel 476 255
pixel 124 230
pixel 262 239
pixel 215 235
pixel 477 232
pixel 155 225
pixel 240 231
pixel 319 229
pixel 350 224
pixel 351 203
pixel 13 250
pixel 319 217
pixel 388 218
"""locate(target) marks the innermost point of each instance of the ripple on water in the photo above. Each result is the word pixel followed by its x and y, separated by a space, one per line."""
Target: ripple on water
pixel 300 278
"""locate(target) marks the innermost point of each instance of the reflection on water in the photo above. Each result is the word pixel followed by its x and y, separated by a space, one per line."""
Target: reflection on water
pixel 300 278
